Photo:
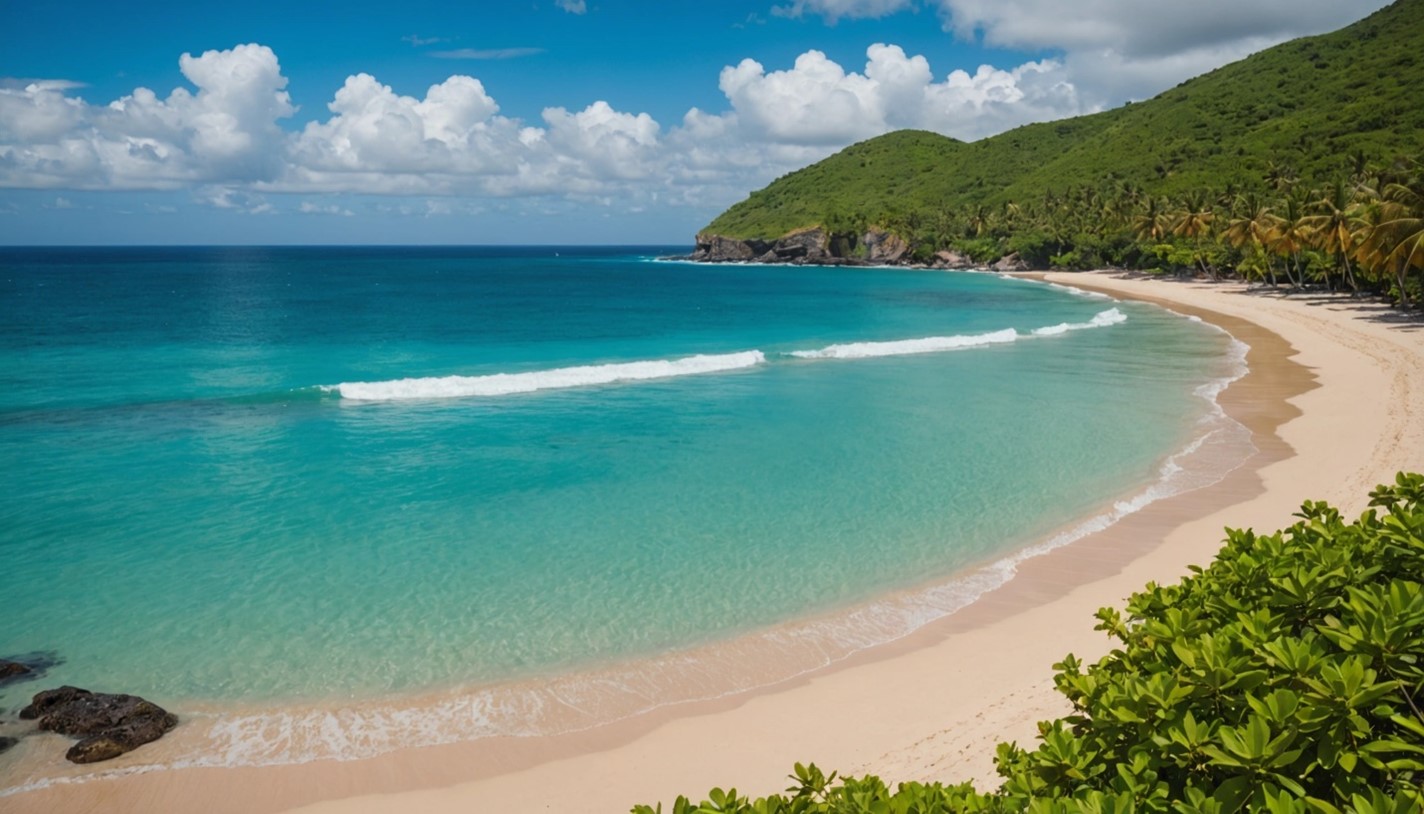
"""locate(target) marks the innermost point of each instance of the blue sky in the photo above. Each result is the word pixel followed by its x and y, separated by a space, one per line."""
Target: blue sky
pixel 542 121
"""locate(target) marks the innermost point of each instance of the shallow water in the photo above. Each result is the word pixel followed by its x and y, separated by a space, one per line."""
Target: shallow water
pixel 277 477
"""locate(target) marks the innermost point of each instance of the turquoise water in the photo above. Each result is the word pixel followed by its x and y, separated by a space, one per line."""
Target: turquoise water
pixel 275 476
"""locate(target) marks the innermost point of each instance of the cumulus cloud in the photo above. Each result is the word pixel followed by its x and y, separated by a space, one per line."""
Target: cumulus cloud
pixel 815 101
pixel 600 142
pixel 223 140
pixel 227 129
pixel 818 102
pixel 381 141
pixel 572 6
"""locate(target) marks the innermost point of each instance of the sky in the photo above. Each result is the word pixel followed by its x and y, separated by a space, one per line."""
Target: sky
pixel 535 121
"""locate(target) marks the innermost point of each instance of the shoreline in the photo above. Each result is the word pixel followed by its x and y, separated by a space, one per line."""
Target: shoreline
pixel 984 672
pixel 263 735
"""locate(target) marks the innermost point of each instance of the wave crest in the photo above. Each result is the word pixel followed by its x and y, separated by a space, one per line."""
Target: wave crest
pixel 503 384
pixel 1102 319
pixel 903 347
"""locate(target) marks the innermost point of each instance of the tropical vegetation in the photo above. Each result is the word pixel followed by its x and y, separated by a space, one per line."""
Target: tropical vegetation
pixel 1298 165
pixel 1286 677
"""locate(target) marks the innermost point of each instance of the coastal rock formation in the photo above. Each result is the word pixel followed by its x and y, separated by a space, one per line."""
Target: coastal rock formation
pixel 817 246
pixel 952 260
pixel 1011 262
pixel 108 724
pixel 884 247
pixel 6 744
pixel 811 246
pixel 12 669
pixel 719 249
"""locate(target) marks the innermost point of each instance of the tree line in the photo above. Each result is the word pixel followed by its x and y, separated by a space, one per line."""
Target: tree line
pixel 1364 232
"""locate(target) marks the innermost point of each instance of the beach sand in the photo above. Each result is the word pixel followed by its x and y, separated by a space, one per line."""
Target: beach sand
pixel 1334 400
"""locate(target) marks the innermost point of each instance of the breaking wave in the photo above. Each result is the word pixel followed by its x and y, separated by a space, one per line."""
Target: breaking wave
pixel 932 344
pixel 1102 319
pixel 503 384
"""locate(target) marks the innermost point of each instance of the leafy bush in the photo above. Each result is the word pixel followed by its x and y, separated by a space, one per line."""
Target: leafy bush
pixel 980 249
pixel 1286 677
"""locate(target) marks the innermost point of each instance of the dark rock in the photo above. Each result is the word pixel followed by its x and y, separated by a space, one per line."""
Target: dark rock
pixel 811 244
pixel 1010 262
pixel 27 666
pixel 947 259
pixel 719 249
pixel 11 669
pixel 109 724
pixel 123 738
pixel 48 700
pixel 6 744
pixel 885 247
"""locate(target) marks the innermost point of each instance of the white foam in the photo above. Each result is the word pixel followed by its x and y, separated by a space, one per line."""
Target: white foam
pixel 903 347
pixel 1080 292
pixel 503 384
pixel 1102 319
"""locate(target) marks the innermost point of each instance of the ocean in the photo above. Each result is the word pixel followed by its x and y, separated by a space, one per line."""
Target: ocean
pixel 333 501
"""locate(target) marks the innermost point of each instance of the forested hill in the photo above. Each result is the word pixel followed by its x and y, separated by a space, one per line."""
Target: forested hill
pixel 1309 107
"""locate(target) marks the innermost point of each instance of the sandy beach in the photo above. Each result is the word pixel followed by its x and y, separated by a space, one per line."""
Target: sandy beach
pixel 1333 400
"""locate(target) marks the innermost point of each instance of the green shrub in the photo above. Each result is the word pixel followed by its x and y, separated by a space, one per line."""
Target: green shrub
pixel 1285 677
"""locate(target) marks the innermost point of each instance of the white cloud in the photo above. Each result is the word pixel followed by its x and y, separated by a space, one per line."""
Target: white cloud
pixel 312 208
pixel 1115 50
pixel 572 6
pixel 833 10
pixel 818 102
pixel 814 102
pixel 239 200
pixel 601 143
pixel 488 53
pixel 380 140
pixel 993 100
pixel 227 130
pixel 223 140
pixel 38 113
pixel 1124 25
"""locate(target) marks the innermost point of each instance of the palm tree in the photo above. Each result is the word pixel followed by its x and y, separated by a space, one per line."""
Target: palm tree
pixel 1291 237
pixel 1152 223
pixel 1254 225
pixel 1396 240
pixel 1010 215
pixel 1194 221
pixel 1335 226
pixel 1280 177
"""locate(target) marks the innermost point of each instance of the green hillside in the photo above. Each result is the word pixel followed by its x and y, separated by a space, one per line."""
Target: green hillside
pixel 1311 105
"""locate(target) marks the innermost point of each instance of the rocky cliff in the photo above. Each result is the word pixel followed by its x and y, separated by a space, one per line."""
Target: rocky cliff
pixel 816 246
